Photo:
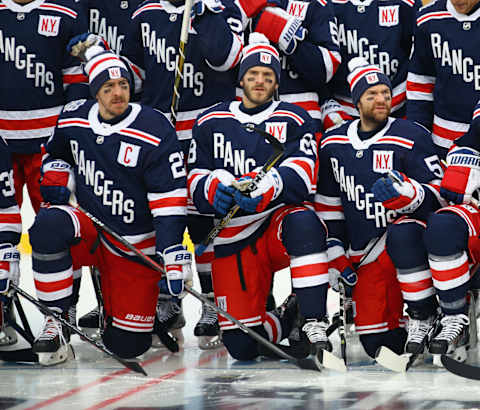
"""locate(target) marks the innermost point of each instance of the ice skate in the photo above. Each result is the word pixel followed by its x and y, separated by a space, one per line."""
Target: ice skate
pixel 90 323
pixel 8 335
pixel 207 329
pixel 52 345
pixel 169 318
pixel 420 330
pixel 453 339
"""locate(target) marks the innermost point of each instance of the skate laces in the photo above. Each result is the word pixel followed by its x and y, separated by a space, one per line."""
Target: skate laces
pixel 51 329
pixel 209 315
pixel 418 329
pixel 452 326
pixel 315 330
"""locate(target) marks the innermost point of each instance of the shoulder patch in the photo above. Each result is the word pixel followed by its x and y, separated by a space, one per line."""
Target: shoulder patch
pixel 73 105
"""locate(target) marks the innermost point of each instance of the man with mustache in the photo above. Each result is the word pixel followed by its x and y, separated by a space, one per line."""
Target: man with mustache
pixel 124 164
pixel 360 207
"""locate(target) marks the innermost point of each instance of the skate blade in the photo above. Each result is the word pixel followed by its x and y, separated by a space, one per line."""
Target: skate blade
pixel 392 361
pixel 209 342
pixel 8 337
pixel 459 355
pixel 63 354
pixel 93 333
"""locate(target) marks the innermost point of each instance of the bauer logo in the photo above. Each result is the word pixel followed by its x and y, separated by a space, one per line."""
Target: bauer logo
pixel 388 16
pixel 128 154
pixel 48 25
pixel 277 129
pixel 382 161
pixel 114 72
pixel 265 58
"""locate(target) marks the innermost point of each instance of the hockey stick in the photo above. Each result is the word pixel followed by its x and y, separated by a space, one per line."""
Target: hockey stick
pixel 46 310
pixel 278 150
pixel 342 320
pixel 460 369
pixel 312 362
pixel 181 60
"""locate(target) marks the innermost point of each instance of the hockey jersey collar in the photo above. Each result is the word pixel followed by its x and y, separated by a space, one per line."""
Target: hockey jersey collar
pixel 256 118
pixel 104 129
pixel 362 2
pixel 25 8
pixel 462 17
pixel 171 8
pixel 357 143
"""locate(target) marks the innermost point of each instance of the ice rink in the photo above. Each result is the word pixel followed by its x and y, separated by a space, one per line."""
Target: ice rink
pixel 196 379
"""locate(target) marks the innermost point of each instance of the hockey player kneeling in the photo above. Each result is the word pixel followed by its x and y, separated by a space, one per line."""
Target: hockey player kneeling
pixel 128 171
pixel 272 229
pixel 372 171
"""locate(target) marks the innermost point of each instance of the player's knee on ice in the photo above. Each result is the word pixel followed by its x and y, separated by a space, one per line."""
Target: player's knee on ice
pixel 393 339
pixel 303 233
pixel 240 345
pixel 446 234
pixel 405 245
pixel 125 344
pixel 51 231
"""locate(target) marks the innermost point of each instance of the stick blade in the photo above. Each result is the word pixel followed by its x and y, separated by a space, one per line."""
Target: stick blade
pixel 309 363
pixel 460 369
pixel 392 361
pixel 133 366
pixel 332 362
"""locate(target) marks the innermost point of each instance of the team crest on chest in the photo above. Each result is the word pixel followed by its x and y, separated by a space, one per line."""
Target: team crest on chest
pixel 382 161
pixel 388 16
pixel 297 9
pixel 128 154
pixel 277 129
pixel 48 26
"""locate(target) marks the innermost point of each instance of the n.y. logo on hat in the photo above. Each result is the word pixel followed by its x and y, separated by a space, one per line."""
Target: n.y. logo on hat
pixel 265 58
pixel 372 78
pixel 114 72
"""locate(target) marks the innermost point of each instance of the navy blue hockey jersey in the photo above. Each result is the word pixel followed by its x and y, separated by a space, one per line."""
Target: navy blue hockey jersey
pixel 381 32
pixel 110 19
pixel 130 175
pixel 38 75
pixel 220 142
pixel 444 75
pixel 10 220
pixel 213 49
pixel 348 167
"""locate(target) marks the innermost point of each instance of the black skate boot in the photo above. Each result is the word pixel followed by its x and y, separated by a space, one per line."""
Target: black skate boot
pixel 207 329
pixel 453 339
pixel 52 344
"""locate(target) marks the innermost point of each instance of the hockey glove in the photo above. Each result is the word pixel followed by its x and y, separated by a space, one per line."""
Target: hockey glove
pixel 398 192
pixel 57 182
pixel 281 28
pixel 218 191
pixel 178 268
pixel 9 269
pixel 199 7
pixel 339 267
pixel 332 114
pixel 79 44
pixel 252 7
pixel 267 190
pixel 462 177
